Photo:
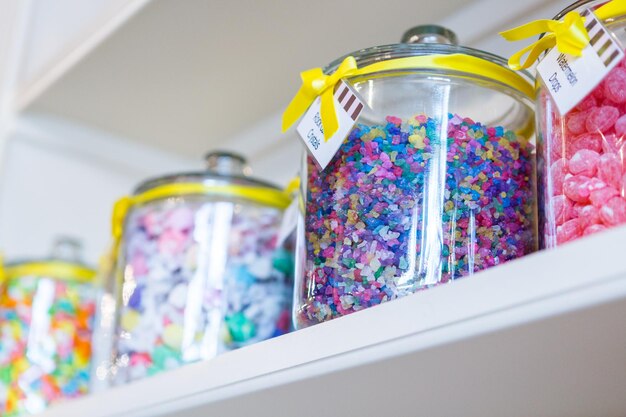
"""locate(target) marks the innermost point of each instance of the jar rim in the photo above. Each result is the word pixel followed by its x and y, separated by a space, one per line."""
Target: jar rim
pixel 571 7
pixel 49 267
pixel 380 53
pixel 201 177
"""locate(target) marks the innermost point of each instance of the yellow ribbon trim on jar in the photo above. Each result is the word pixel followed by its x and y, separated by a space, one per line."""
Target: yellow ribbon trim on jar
pixel 61 270
pixel 266 196
pixel 317 84
pixel 568 35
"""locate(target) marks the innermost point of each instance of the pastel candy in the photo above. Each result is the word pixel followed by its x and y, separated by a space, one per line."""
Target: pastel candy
pixel 614 212
pixel 577 188
pixel 188 262
pixel 615 85
pixel 610 169
pixel 589 141
pixel 594 228
pixel 588 215
pixel 365 212
pixel 173 336
pixel 172 241
pixel 576 122
pixel 620 125
pixel 594 180
pixel 44 354
pixel 601 119
pixel 556 145
pixel 181 218
pixel 612 143
pixel 563 208
pixel 584 162
pixel 601 196
pixel 130 320
pixel 178 296
pixel 558 171
pixel 570 230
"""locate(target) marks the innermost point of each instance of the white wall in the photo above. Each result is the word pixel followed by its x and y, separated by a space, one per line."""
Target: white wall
pixel 62 179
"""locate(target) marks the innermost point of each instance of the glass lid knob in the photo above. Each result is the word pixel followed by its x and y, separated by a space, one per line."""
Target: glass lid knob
pixel 226 163
pixel 430 34
pixel 68 249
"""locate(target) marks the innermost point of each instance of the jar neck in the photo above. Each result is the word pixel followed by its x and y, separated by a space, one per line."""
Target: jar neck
pixel 67 249
pixel 370 56
pixel 226 164
pixel 580 4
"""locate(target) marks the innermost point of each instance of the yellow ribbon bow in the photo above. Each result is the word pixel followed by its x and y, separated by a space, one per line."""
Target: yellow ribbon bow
pixel 317 84
pixel 2 273
pixel 569 36
pixel 120 210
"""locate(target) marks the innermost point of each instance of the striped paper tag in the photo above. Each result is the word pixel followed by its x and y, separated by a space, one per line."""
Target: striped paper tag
pixel 348 107
pixel 568 78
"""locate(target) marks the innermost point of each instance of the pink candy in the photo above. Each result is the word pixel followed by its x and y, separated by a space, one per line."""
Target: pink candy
pixel 614 211
pixel 600 197
pixel 172 242
pixel 576 122
pixel 594 228
pixel 563 209
pixel 570 230
pixel 577 188
pixel 610 169
pixel 587 103
pixel 620 126
pixel 181 218
pixel 558 171
pixel 601 119
pixel 590 141
pixel 615 85
pixel 585 162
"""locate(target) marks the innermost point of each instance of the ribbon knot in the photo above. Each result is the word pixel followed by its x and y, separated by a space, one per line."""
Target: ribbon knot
pixel 317 84
pixel 569 36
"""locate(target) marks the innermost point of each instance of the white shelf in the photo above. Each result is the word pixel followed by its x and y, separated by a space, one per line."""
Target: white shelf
pixel 541 336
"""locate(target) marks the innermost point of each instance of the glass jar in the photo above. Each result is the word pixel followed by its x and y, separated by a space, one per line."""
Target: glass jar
pixel 46 317
pixel 433 183
pixel 199 269
pixel 582 155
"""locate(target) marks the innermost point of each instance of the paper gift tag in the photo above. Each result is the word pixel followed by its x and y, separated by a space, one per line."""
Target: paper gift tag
pixel 348 108
pixel 568 78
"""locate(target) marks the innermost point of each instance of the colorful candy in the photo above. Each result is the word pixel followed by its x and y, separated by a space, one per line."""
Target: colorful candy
pixel 45 342
pixel 407 205
pixel 582 162
pixel 200 277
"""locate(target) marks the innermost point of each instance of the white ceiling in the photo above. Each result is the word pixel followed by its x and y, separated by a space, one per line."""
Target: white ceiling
pixel 185 75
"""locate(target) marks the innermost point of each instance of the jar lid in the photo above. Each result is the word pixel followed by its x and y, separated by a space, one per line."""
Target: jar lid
pixel 575 6
pixel 222 168
pixel 65 263
pixel 434 40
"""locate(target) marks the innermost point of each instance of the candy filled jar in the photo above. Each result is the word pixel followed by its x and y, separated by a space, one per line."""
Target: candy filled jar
pixel 199 270
pixel 46 316
pixel 433 183
pixel 581 154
